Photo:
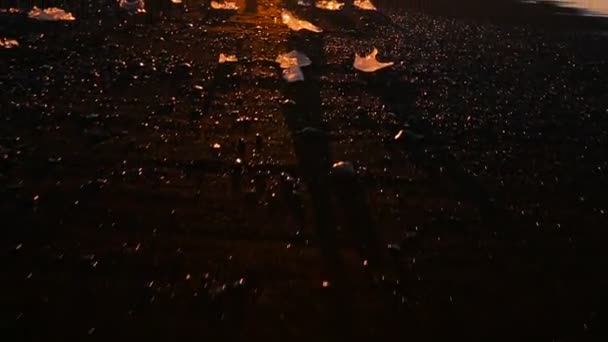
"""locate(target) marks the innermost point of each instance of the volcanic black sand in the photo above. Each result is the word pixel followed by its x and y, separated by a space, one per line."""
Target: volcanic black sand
pixel 148 193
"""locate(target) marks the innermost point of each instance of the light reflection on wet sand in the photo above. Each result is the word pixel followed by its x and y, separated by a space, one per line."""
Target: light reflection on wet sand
pixel 587 7
pixel 596 7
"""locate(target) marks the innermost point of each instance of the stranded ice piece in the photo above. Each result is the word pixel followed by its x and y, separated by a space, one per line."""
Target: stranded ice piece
pixel 293 58
pixel 369 63
pixel 330 5
pixel 291 64
pixel 224 5
pixel 8 43
pixel 227 58
pixel 365 5
pixel 50 14
pixel 136 6
pixel 297 24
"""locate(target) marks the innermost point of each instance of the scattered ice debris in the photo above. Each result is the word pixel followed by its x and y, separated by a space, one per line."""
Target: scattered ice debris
pixel 297 24
pixel 365 5
pixel 330 5
pixel 8 43
pixel 50 14
pixel 304 3
pixel 343 168
pixel 224 5
pixel 325 283
pixel 369 63
pixel 176 1
pixel 227 58
pixel 291 63
pixel 137 6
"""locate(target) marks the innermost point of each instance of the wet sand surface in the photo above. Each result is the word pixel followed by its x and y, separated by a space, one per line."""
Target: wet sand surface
pixel 149 193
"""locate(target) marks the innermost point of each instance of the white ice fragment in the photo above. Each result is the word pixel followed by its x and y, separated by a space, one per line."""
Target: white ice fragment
pixel 293 58
pixel 343 168
pixel 304 3
pixel 228 58
pixel 409 135
pixel 176 1
pixel 369 63
pixel 365 5
pixel 136 6
pixel 297 24
pixel 293 74
pixel 311 132
pixel 8 43
pixel 224 5
pixel 50 14
pixel 330 5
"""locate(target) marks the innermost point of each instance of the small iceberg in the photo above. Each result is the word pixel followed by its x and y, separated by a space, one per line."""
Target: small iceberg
pixel 297 24
pixel 369 63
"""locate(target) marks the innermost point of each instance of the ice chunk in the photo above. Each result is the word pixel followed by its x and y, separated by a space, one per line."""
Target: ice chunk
pixel 343 168
pixel 365 5
pixel 11 10
pixel 224 5
pixel 369 63
pixel 291 64
pixel 304 3
pixel 176 1
pixel 297 24
pixel 403 135
pixel 50 14
pixel 330 5
pixel 8 43
pixel 137 6
pixel 293 74
pixel 293 58
pixel 228 58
